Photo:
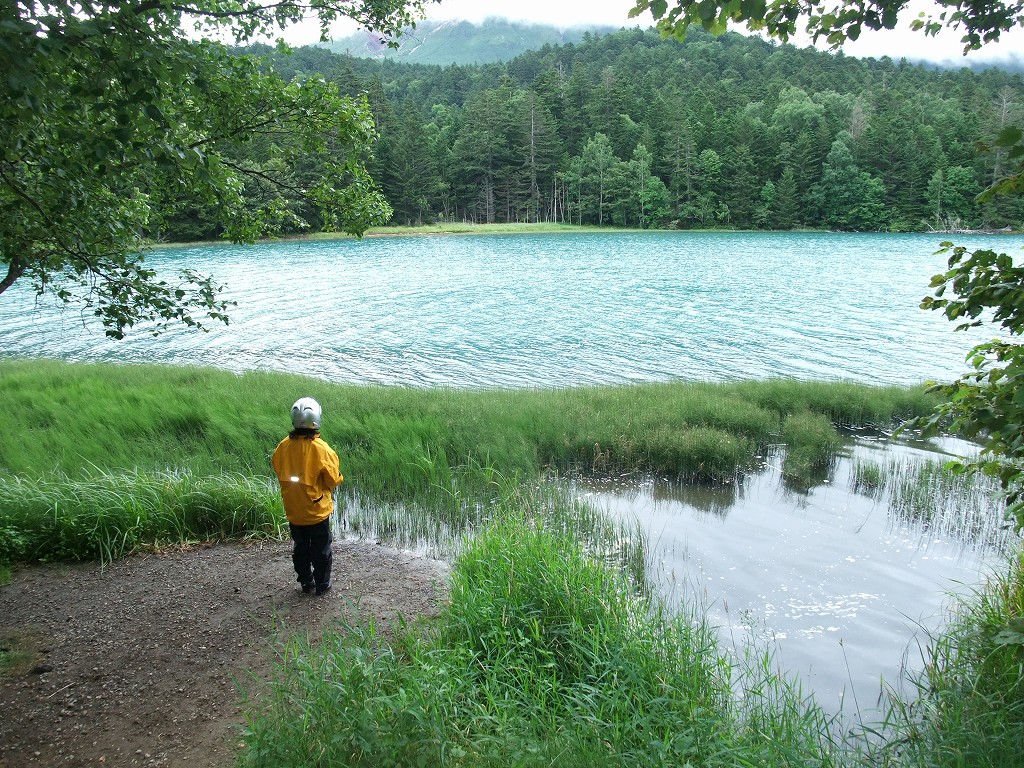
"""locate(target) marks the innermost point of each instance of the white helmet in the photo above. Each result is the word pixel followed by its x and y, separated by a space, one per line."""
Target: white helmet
pixel 306 414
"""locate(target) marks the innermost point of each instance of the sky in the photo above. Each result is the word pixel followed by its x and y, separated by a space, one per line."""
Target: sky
pixel 615 13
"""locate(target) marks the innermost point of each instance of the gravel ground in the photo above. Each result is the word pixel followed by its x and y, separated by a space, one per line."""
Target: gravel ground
pixel 144 662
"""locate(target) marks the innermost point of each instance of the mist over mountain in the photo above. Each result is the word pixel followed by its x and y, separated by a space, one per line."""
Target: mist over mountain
pixel 462 42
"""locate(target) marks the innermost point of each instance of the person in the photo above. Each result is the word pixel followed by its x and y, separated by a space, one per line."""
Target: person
pixel 308 470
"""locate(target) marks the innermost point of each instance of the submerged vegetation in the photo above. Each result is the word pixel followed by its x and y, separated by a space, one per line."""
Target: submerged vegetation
pixel 934 498
pixel 552 646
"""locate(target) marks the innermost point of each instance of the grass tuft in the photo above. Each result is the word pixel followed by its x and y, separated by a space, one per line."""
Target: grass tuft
pixel 969 707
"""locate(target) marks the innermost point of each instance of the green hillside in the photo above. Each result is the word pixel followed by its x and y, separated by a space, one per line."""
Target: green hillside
pixel 461 42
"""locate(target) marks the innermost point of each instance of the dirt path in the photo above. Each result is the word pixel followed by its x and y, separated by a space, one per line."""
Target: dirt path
pixel 136 664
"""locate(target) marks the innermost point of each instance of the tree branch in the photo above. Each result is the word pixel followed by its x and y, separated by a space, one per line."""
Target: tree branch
pixel 14 270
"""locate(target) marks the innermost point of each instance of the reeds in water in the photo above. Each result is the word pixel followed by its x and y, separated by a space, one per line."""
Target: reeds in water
pixel 925 494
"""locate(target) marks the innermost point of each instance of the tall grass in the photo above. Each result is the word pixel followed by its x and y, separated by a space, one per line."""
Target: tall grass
pixel 544 656
pixel 71 417
pixel 106 515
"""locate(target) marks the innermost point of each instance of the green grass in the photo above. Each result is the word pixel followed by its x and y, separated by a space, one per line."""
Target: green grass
pixel 88 443
pixel 103 516
pixel 13 662
pixel 545 655
pixel 812 444
pixel 70 418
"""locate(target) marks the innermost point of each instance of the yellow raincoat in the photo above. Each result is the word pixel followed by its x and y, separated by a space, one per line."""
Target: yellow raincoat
pixel 308 470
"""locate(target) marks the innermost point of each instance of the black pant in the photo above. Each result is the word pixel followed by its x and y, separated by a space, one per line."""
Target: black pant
pixel 312 554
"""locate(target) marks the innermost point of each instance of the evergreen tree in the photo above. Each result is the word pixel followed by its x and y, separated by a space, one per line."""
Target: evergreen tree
pixel 951 193
pixel 785 207
pixel 847 197
pixel 598 162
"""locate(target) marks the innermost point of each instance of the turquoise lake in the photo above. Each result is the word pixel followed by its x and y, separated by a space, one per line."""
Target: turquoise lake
pixel 550 310
pixel 840 584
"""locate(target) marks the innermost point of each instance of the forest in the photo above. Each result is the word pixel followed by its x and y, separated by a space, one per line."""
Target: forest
pixel 633 130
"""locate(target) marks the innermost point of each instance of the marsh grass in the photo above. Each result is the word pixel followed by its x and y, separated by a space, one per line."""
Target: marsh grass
pixel 104 516
pixel 395 441
pixel 812 444
pixel 868 478
pixel 923 493
pixel 402 449
pixel 544 655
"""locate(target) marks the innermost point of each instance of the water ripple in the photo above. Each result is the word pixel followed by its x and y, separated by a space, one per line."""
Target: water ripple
pixel 550 310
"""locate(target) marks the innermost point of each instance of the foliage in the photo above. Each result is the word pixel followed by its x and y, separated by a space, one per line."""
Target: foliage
pixel 987 404
pixel 114 113
pixel 563 134
pixel 982 22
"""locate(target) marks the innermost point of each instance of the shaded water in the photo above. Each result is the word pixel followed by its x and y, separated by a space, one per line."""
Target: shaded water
pixel 841 585
pixel 550 310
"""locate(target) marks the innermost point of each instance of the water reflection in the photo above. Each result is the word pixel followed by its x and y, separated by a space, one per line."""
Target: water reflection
pixel 838 582
pixel 713 499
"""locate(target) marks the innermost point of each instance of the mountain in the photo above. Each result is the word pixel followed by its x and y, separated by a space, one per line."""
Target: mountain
pixel 461 42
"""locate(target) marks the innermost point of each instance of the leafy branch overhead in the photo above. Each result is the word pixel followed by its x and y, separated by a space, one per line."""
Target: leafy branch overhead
pixel 980 21
pixel 115 113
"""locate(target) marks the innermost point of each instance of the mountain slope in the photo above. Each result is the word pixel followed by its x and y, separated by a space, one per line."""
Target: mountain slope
pixel 461 42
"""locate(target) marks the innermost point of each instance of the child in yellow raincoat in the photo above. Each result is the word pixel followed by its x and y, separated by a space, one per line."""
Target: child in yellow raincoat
pixel 308 470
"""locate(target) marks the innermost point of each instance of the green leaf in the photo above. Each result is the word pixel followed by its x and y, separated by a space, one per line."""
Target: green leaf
pixel 1008 637
pixel 1009 136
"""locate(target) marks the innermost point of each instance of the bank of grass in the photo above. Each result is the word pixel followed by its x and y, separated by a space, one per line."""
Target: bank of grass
pixel 106 515
pixel 66 427
pixel 544 656
pixel 71 418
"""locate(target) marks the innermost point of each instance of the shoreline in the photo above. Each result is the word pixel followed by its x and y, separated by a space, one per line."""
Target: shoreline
pixel 466 228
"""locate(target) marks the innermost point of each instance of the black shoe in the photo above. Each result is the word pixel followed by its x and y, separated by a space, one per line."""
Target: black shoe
pixel 322 589
pixel 308 587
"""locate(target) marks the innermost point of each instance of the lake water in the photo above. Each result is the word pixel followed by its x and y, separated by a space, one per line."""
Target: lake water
pixel 551 310
pixel 841 584
pixel 835 581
